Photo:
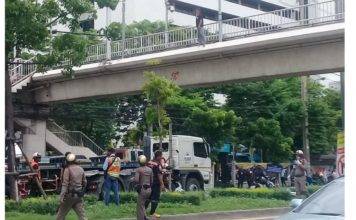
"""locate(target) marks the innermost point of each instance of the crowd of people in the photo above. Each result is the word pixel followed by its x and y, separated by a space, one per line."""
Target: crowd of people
pixel 150 184
pixel 148 179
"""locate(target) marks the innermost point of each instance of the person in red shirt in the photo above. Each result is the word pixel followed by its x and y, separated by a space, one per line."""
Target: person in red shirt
pixel 34 191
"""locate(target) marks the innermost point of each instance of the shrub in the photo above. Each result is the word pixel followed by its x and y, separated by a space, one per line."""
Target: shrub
pixel 252 193
pixel 312 189
pixel 34 205
pixel 185 197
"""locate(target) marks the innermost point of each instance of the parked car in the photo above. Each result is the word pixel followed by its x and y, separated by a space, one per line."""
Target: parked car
pixel 326 203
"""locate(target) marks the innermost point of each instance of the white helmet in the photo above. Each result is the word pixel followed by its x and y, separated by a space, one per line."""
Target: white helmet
pixel 142 159
pixel 36 154
pixel 70 157
pixel 299 152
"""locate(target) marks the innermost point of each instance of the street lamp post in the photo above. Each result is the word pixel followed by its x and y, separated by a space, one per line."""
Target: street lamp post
pixel 166 25
pixel 169 7
pixel 108 44
pixel 123 31
pixel 220 22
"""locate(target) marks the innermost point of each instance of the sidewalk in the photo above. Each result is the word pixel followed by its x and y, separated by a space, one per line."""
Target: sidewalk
pixel 241 214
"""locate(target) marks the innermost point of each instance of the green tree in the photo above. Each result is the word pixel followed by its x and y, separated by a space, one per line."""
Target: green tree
pixel 324 109
pixel 280 100
pixel 133 137
pixel 192 113
pixel 26 27
pixel 266 134
pixel 215 125
pixel 95 118
pixel 157 91
pixel 135 29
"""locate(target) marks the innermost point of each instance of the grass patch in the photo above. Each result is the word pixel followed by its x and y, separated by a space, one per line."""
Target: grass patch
pixel 97 209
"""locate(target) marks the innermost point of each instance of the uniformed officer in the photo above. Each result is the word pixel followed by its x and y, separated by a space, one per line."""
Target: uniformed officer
pixel 157 184
pixel 144 179
pixel 73 186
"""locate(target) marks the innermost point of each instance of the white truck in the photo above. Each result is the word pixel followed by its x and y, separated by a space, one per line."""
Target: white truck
pixel 190 162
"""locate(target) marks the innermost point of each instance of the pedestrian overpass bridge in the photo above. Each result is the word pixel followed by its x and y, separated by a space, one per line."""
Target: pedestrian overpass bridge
pixel 304 40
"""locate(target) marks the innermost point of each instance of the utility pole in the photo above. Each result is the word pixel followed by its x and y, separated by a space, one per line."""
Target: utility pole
pixel 304 94
pixel 233 166
pixel 10 137
pixel 220 22
pixel 108 43
pixel 171 162
pixel 166 25
pixel 342 87
pixel 123 31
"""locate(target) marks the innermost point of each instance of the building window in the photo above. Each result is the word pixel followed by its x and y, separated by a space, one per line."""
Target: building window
pixel 200 150
pixel 87 25
pixel 133 156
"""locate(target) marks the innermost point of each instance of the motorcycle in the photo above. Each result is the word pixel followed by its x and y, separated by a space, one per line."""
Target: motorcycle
pixel 264 182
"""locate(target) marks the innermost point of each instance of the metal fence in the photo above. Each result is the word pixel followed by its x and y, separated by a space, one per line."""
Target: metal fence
pixel 21 69
pixel 300 16
pixel 296 17
pixel 74 138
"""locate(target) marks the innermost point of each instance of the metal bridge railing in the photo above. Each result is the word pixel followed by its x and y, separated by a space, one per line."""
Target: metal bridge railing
pixel 296 17
pixel 23 69
pixel 74 138
pixel 300 16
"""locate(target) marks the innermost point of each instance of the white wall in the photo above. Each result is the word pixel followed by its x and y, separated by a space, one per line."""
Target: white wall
pixel 154 10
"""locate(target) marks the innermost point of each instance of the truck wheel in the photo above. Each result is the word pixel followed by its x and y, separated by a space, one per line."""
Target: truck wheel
pixel 193 185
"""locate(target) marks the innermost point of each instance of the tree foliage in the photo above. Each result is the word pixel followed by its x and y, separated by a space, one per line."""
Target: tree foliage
pixel 95 118
pixel 279 101
pixel 114 31
pixel 157 91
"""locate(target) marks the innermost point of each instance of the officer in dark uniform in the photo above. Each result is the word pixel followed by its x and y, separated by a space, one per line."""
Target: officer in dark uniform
pixel 144 179
pixel 73 185
pixel 157 185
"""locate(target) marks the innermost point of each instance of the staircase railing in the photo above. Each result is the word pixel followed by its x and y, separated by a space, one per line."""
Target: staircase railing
pixel 74 138
pixel 20 69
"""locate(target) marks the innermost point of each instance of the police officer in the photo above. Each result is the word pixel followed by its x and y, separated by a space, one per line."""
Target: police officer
pixel 144 179
pixel 73 186
pixel 300 179
pixel 157 184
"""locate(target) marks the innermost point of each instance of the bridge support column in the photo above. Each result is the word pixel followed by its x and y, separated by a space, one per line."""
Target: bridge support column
pixel 33 135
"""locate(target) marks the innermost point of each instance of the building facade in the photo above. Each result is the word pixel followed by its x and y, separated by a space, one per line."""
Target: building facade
pixel 183 12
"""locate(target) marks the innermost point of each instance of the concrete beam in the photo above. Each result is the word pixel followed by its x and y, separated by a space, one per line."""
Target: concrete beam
pixel 292 53
pixel 314 59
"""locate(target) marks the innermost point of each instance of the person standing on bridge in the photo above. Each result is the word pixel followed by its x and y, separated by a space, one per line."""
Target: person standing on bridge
pixel 199 20
pixel 143 179
pixel 72 192
pixel 111 169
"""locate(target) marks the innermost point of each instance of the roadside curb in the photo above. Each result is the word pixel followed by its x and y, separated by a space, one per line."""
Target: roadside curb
pixel 252 213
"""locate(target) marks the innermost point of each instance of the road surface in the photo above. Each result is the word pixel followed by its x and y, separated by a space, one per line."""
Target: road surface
pixel 257 214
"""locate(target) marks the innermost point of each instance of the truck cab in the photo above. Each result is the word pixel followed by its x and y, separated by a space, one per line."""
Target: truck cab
pixel 191 165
